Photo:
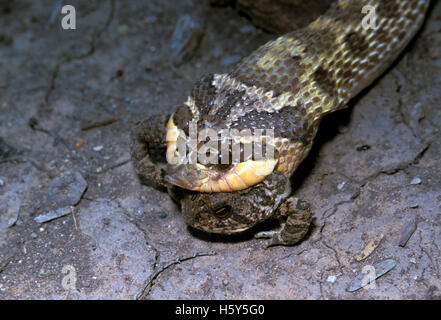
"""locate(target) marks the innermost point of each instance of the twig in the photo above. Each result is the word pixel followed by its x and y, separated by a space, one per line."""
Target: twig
pixel 4 263
pixel 72 208
pixel 99 124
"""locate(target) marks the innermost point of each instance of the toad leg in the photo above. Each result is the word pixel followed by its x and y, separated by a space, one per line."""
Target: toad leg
pixel 147 149
pixel 298 220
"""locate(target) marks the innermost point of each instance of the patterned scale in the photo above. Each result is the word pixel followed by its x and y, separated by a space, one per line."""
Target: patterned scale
pixel 290 83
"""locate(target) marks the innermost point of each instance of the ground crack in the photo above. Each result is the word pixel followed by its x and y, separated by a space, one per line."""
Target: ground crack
pixel 90 51
pixel 148 285
pixel 145 291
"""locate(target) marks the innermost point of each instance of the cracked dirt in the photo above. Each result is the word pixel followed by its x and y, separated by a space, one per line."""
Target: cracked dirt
pixel 68 99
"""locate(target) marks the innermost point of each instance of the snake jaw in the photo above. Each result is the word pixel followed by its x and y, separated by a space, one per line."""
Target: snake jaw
pixel 203 179
pixel 197 177
pixel 190 177
pixel 171 138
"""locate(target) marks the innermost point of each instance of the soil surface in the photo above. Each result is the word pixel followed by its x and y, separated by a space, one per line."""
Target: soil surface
pixel 76 223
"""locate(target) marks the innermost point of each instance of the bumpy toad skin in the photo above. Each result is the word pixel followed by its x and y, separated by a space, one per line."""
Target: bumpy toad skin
pixel 287 85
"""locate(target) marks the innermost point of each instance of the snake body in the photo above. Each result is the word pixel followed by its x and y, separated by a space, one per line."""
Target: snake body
pixel 289 84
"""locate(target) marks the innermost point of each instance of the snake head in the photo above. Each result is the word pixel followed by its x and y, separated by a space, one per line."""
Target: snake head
pixel 214 177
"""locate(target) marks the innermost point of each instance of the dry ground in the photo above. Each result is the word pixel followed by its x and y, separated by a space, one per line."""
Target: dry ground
pixel 374 170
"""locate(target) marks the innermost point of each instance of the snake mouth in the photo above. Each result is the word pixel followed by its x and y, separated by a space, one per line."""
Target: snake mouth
pixel 203 179
pixel 198 177
pixel 189 177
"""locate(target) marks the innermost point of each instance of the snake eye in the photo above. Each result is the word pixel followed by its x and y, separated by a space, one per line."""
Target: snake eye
pixel 223 212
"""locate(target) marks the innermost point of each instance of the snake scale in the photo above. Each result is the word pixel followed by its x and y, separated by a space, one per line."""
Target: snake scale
pixel 288 85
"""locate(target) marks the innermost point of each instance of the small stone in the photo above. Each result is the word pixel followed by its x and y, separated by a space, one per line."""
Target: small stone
pixel 340 186
pixel 186 37
pixel 331 279
pixel 363 279
pixel 79 143
pixel 225 282
pixel 13 221
pixel 407 232
pixel 51 215
pixel 342 129
pixel 43 272
pixel 162 215
pixel 66 190
pixel 412 260
pixel 246 29
pixel 123 29
pixel 415 180
pixel 33 235
pixel 150 19
pixel 2 182
pixel 99 169
pixel 98 148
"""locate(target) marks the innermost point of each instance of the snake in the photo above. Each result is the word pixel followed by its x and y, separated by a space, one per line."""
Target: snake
pixel 288 85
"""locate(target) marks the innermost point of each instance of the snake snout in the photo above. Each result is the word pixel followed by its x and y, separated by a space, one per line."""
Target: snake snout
pixel 187 176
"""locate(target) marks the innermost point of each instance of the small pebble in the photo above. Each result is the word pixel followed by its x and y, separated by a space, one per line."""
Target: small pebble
pixel 407 232
pixel 43 272
pixel 67 189
pixel 123 29
pixel 340 186
pixel 150 19
pixel 414 205
pixel 33 235
pixel 99 169
pixel 246 29
pixel 98 148
pixel 342 129
pixel 162 215
pixel 2 182
pixel 331 279
pixel 413 260
pixel 186 37
pixel 415 180
pixel 51 215
pixel 380 269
